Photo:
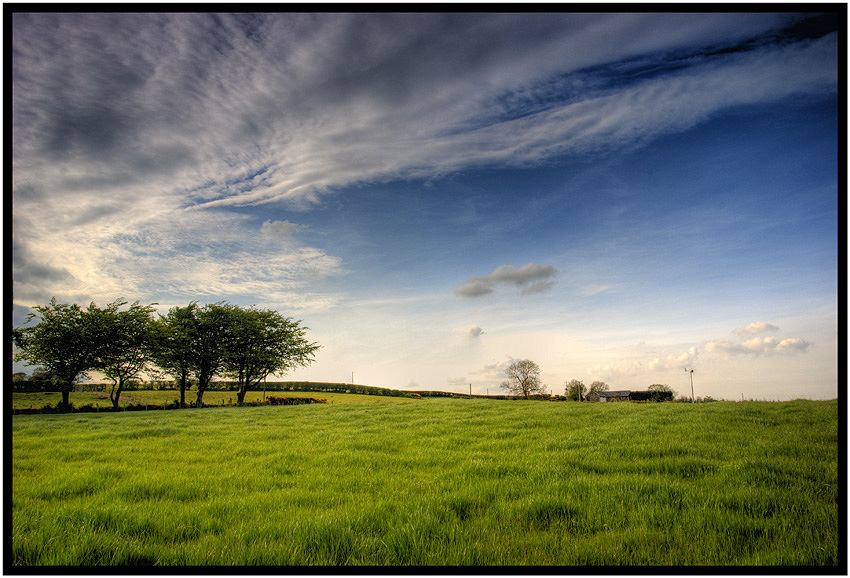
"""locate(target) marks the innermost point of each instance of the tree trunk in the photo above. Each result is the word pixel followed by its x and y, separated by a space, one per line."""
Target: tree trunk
pixel 199 400
pixel 66 395
pixel 183 389
pixel 240 396
pixel 117 395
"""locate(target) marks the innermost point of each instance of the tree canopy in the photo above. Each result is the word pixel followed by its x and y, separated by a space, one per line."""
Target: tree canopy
pixel 173 345
pixel 125 342
pixel 63 342
pixel 264 342
pixel 575 390
pixel 218 339
pixel 523 378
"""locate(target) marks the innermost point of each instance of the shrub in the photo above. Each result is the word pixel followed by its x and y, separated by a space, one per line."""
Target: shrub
pixel 273 400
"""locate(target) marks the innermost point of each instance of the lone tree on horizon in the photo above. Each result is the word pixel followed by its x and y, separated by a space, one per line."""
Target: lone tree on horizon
pixel 523 378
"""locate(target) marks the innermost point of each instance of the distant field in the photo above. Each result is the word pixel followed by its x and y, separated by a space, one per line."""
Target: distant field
pixel 393 481
pixel 38 400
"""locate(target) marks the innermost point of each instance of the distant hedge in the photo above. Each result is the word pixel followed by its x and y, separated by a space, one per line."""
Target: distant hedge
pixel 651 396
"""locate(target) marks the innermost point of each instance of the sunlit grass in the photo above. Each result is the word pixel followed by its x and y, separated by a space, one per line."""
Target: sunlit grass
pixel 37 400
pixel 423 482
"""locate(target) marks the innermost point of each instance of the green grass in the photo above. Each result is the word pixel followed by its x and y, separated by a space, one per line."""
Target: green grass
pixel 422 482
pixel 37 400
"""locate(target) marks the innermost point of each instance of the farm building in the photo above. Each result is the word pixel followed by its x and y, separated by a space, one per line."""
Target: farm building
pixel 628 395
pixel 622 395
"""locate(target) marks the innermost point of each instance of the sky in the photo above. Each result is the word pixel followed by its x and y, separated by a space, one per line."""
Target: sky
pixel 617 197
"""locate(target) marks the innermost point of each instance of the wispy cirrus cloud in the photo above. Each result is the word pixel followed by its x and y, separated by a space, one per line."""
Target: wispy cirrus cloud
pixel 218 104
pixel 121 122
pixel 530 279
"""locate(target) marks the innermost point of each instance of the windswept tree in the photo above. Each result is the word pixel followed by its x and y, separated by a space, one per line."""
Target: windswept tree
pixel 213 336
pixel 64 341
pixel 264 342
pixel 175 344
pixel 523 378
pixel 127 343
pixel 575 390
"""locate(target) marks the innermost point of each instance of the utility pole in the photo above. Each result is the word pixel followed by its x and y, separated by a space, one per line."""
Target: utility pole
pixel 470 391
pixel 692 384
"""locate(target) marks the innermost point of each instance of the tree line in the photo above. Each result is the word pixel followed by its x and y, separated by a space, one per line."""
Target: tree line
pixel 524 380
pixel 196 342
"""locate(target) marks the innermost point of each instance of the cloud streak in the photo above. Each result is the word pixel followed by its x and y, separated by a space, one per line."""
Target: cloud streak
pixel 236 111
pixel 135 136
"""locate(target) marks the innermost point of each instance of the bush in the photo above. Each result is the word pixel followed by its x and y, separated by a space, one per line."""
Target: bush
pixel 273 400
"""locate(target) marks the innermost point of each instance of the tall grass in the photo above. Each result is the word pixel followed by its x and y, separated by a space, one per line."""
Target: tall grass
pixel 425 482
pixel 38 400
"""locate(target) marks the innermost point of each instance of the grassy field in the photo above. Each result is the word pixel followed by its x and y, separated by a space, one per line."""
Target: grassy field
pixel 397 481
pixel 37 400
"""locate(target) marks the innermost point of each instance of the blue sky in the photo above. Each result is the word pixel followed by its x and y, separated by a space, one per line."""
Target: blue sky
pixel 437 195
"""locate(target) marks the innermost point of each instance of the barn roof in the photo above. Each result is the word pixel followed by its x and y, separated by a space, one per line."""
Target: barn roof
pixel 620 393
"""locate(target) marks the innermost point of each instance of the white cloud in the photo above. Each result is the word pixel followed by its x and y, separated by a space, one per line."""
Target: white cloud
pixel 603 372
pixel 206 256
pixel 280 229
pixel 493 371
pixel 672 361
pixel 758 346
pixel 490 373
pixel 508 275
pixel 757 327
pixel 686 359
